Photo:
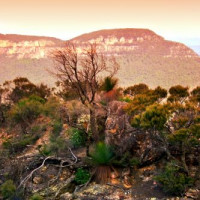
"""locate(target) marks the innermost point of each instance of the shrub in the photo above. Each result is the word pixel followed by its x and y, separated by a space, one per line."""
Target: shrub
pixel 58 145
pixel 36 197
pixel 57 128
pixel 52 108
pixel 126 160
pixel 173 180
pixel 38 129
pixel 45 150
pixel 54 147
pixel 82 176
pixel 8 189
pixel 26 110
pixel 19 144
pixel 155 116
pixel 77 137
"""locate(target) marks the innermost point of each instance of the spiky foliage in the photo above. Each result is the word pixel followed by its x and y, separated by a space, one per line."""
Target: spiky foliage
pixel 108 83
pixel 102 158
pixel 102 154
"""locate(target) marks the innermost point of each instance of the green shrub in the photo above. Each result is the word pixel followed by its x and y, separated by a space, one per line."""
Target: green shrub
pixel 82 176
pixel 26 111
pixel 38 129
pixel 8 189
pixel 45 150
pixel 19 144
pixel 57 128
pixel 173 180
pixel 77 137
pixel 36 197
pixel 51 108
pixel 126 160
pixel 102 154
pixel 54 147
pixel 58 145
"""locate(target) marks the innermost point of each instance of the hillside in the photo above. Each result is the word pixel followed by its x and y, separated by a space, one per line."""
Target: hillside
pixel 143 55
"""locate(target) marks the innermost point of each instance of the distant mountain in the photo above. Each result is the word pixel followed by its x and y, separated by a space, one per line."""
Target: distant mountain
pixel 136 41
pixel 143 55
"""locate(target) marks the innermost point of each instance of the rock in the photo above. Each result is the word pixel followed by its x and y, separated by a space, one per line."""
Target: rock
pixel 127 182
pixel 66 196
pixel 114 175
pixel 119 133
pixel 115 181
pixel 126 172
pixel 148 148
pixel 193 194
pixel 37 180
pixel 102 192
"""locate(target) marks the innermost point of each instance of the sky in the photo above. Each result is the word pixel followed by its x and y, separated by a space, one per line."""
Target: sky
pixel 177 20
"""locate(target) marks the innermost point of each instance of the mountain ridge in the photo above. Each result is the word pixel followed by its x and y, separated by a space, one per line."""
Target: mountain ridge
pixel 143 55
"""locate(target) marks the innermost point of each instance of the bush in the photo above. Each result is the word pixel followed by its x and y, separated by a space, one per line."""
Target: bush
pixel 102 154
pixel 8 189
pixel 82 176
pixel 54 147
pixel 155 117
pixel 126 160
pixel 77 137
pixel 38 129
pixel 57 128
pixel 173 180
pixel 36 197
pixel 52 108
pixel 19 144
pixel 26 111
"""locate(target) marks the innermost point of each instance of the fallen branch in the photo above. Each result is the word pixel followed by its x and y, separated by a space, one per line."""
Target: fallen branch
pixel 69 180
pixel 31 174
pixel 23 182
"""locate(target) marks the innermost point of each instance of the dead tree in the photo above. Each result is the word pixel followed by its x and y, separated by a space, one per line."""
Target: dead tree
pixel 82 71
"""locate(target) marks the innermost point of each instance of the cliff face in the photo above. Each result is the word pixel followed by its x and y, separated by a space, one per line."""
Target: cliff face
pixel 143 55
pixel 117 42
pixel 134 41
pixel 27 46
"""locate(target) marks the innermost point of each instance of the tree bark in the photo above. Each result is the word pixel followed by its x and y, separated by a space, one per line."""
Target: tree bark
pixel 93 124
pixel 183 158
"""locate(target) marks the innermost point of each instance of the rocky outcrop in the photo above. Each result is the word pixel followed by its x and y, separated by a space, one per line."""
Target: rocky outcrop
pixel 120 134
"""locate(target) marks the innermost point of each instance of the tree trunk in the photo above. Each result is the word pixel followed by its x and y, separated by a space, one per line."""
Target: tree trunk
pixel 93 124
pixel 87 149
pixel 2 117
pixel 183 158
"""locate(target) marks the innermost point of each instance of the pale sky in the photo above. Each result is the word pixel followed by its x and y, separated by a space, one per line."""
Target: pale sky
pixel 173 19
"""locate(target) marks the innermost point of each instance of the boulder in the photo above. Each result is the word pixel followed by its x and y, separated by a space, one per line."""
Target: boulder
pixel 118 131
